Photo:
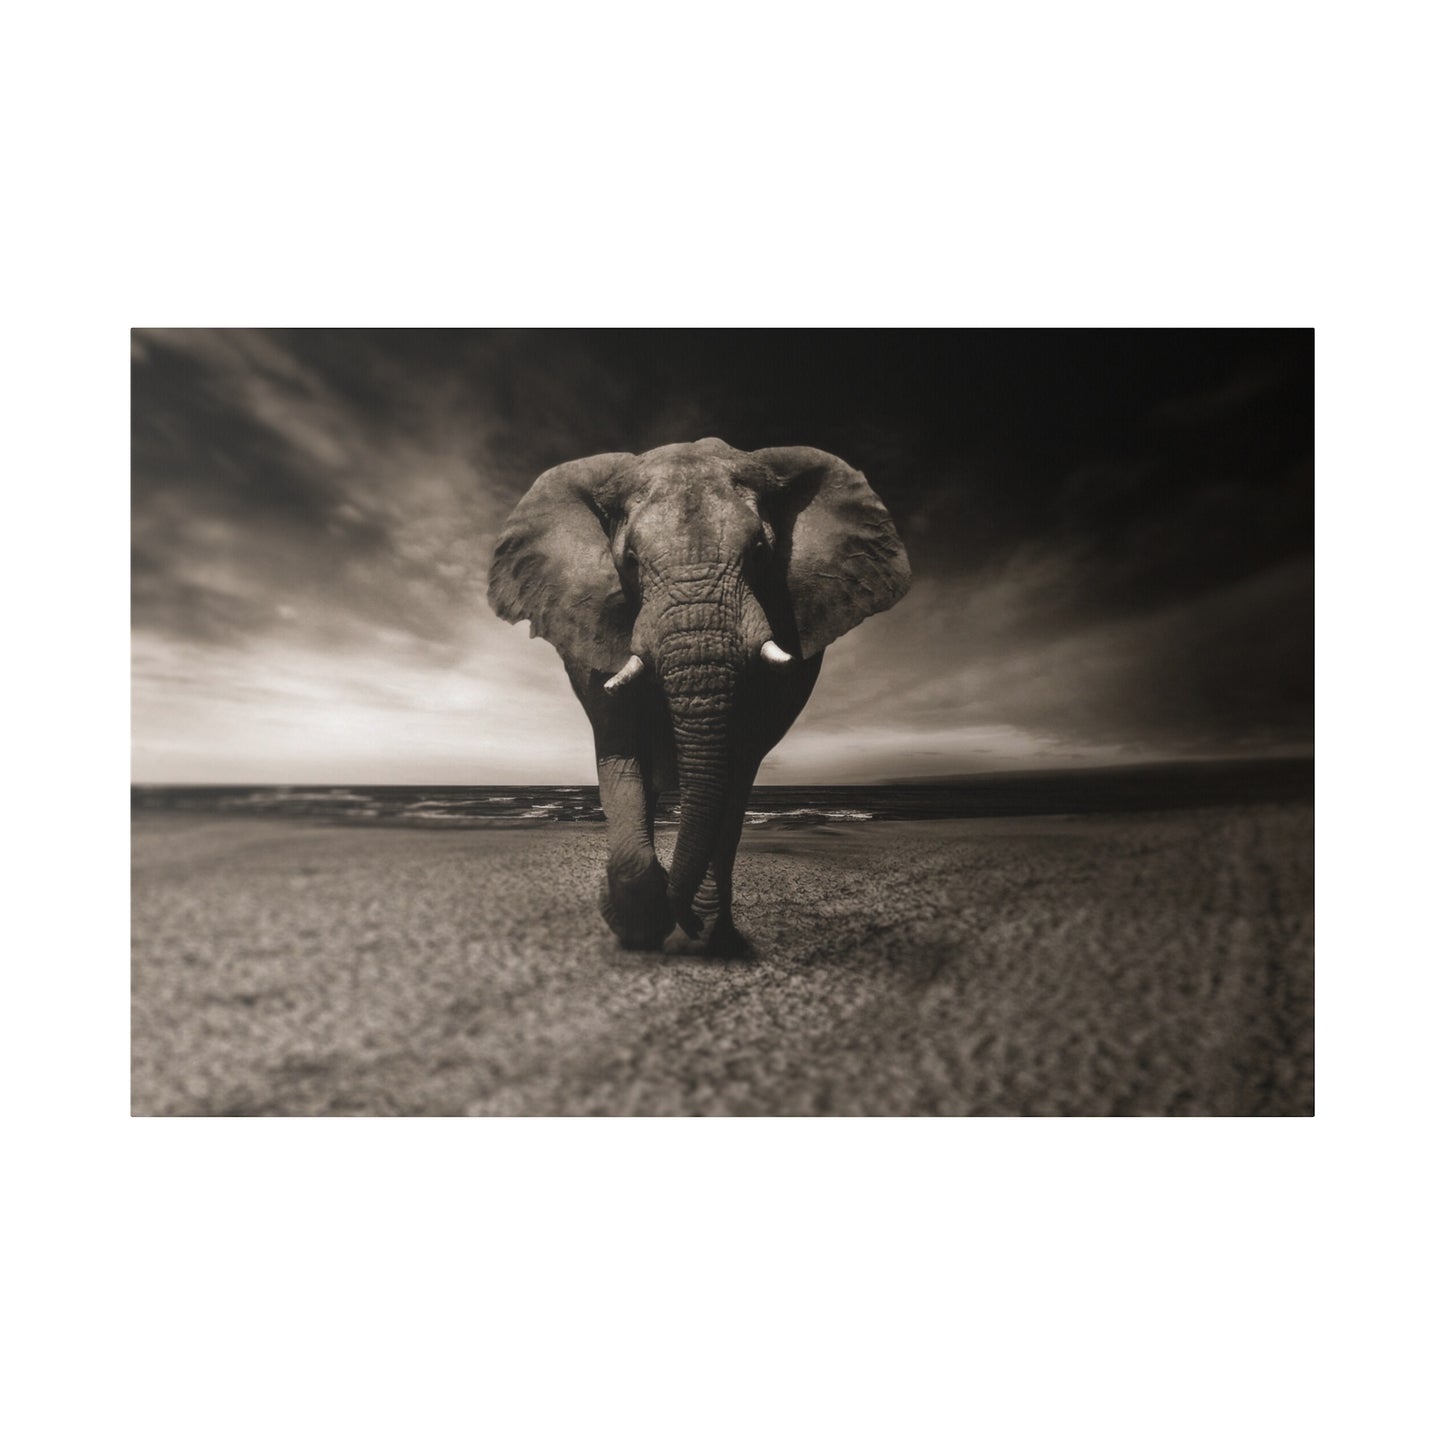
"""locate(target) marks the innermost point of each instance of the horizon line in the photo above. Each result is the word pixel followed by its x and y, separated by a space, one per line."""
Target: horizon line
pixel 896 781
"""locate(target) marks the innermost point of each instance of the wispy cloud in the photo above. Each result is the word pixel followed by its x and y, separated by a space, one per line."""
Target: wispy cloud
pixel 972 680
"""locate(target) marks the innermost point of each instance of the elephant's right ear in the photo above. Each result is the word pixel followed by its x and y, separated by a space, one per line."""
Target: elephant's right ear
pixel 553 565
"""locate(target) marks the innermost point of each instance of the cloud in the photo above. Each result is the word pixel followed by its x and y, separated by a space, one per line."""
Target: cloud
pixel 965 675
pixel 258 482
pixel 306 573
pixel 276 712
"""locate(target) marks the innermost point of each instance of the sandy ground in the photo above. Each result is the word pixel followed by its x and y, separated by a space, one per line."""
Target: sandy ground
pixel 1156 964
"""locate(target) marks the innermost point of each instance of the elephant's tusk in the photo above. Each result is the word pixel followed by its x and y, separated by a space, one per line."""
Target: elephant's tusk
pixel 775 654
pixel 624 674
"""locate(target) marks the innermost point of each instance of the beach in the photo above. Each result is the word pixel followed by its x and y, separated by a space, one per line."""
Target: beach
pixel 1151 963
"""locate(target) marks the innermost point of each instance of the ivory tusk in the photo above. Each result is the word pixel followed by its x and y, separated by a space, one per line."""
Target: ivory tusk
pixel 624 674
pixel 775 654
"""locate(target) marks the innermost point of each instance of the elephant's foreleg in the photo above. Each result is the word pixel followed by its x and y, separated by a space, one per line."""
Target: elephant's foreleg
pixel 634 889
pixel 634 892
pixel 714 901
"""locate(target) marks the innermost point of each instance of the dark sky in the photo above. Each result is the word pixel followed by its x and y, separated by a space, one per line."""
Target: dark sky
pixel 1111 535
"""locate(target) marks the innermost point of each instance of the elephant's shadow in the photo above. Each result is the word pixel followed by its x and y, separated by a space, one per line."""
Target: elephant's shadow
pixel 734 949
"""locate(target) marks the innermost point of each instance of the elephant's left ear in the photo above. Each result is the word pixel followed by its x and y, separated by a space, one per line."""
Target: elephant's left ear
pixel 844 559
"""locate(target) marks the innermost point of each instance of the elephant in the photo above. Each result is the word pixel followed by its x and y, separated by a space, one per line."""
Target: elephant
pixel 691 591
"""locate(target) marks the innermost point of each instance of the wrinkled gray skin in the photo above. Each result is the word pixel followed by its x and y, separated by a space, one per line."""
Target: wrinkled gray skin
pixel 691 557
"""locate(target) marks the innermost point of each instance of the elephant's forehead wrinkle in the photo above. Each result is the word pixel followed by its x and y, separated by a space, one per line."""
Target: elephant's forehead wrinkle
pixel 692 519
pixel 686 468
pixel 690 484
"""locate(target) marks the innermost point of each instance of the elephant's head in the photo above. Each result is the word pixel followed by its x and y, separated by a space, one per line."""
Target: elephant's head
pixel 701 565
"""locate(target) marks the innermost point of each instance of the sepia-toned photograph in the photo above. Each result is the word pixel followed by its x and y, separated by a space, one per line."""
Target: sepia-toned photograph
pixel 705 722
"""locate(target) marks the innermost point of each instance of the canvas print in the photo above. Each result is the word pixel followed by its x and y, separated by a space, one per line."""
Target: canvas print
pixel 694 722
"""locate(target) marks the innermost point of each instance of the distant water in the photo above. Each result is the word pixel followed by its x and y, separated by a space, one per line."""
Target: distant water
pixel 984 795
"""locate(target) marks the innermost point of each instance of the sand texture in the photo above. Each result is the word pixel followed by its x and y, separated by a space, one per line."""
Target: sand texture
pixel 1153 964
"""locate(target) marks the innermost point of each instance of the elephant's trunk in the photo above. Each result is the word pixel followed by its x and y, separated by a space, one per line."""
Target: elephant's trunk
pixel 700 669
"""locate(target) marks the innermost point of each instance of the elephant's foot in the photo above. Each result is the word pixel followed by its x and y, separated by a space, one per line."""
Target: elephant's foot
pixel 687 919
pixel 714 929
pixel 636 908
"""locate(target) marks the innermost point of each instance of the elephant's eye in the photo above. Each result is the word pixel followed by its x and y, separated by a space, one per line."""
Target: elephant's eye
pixel 629 560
